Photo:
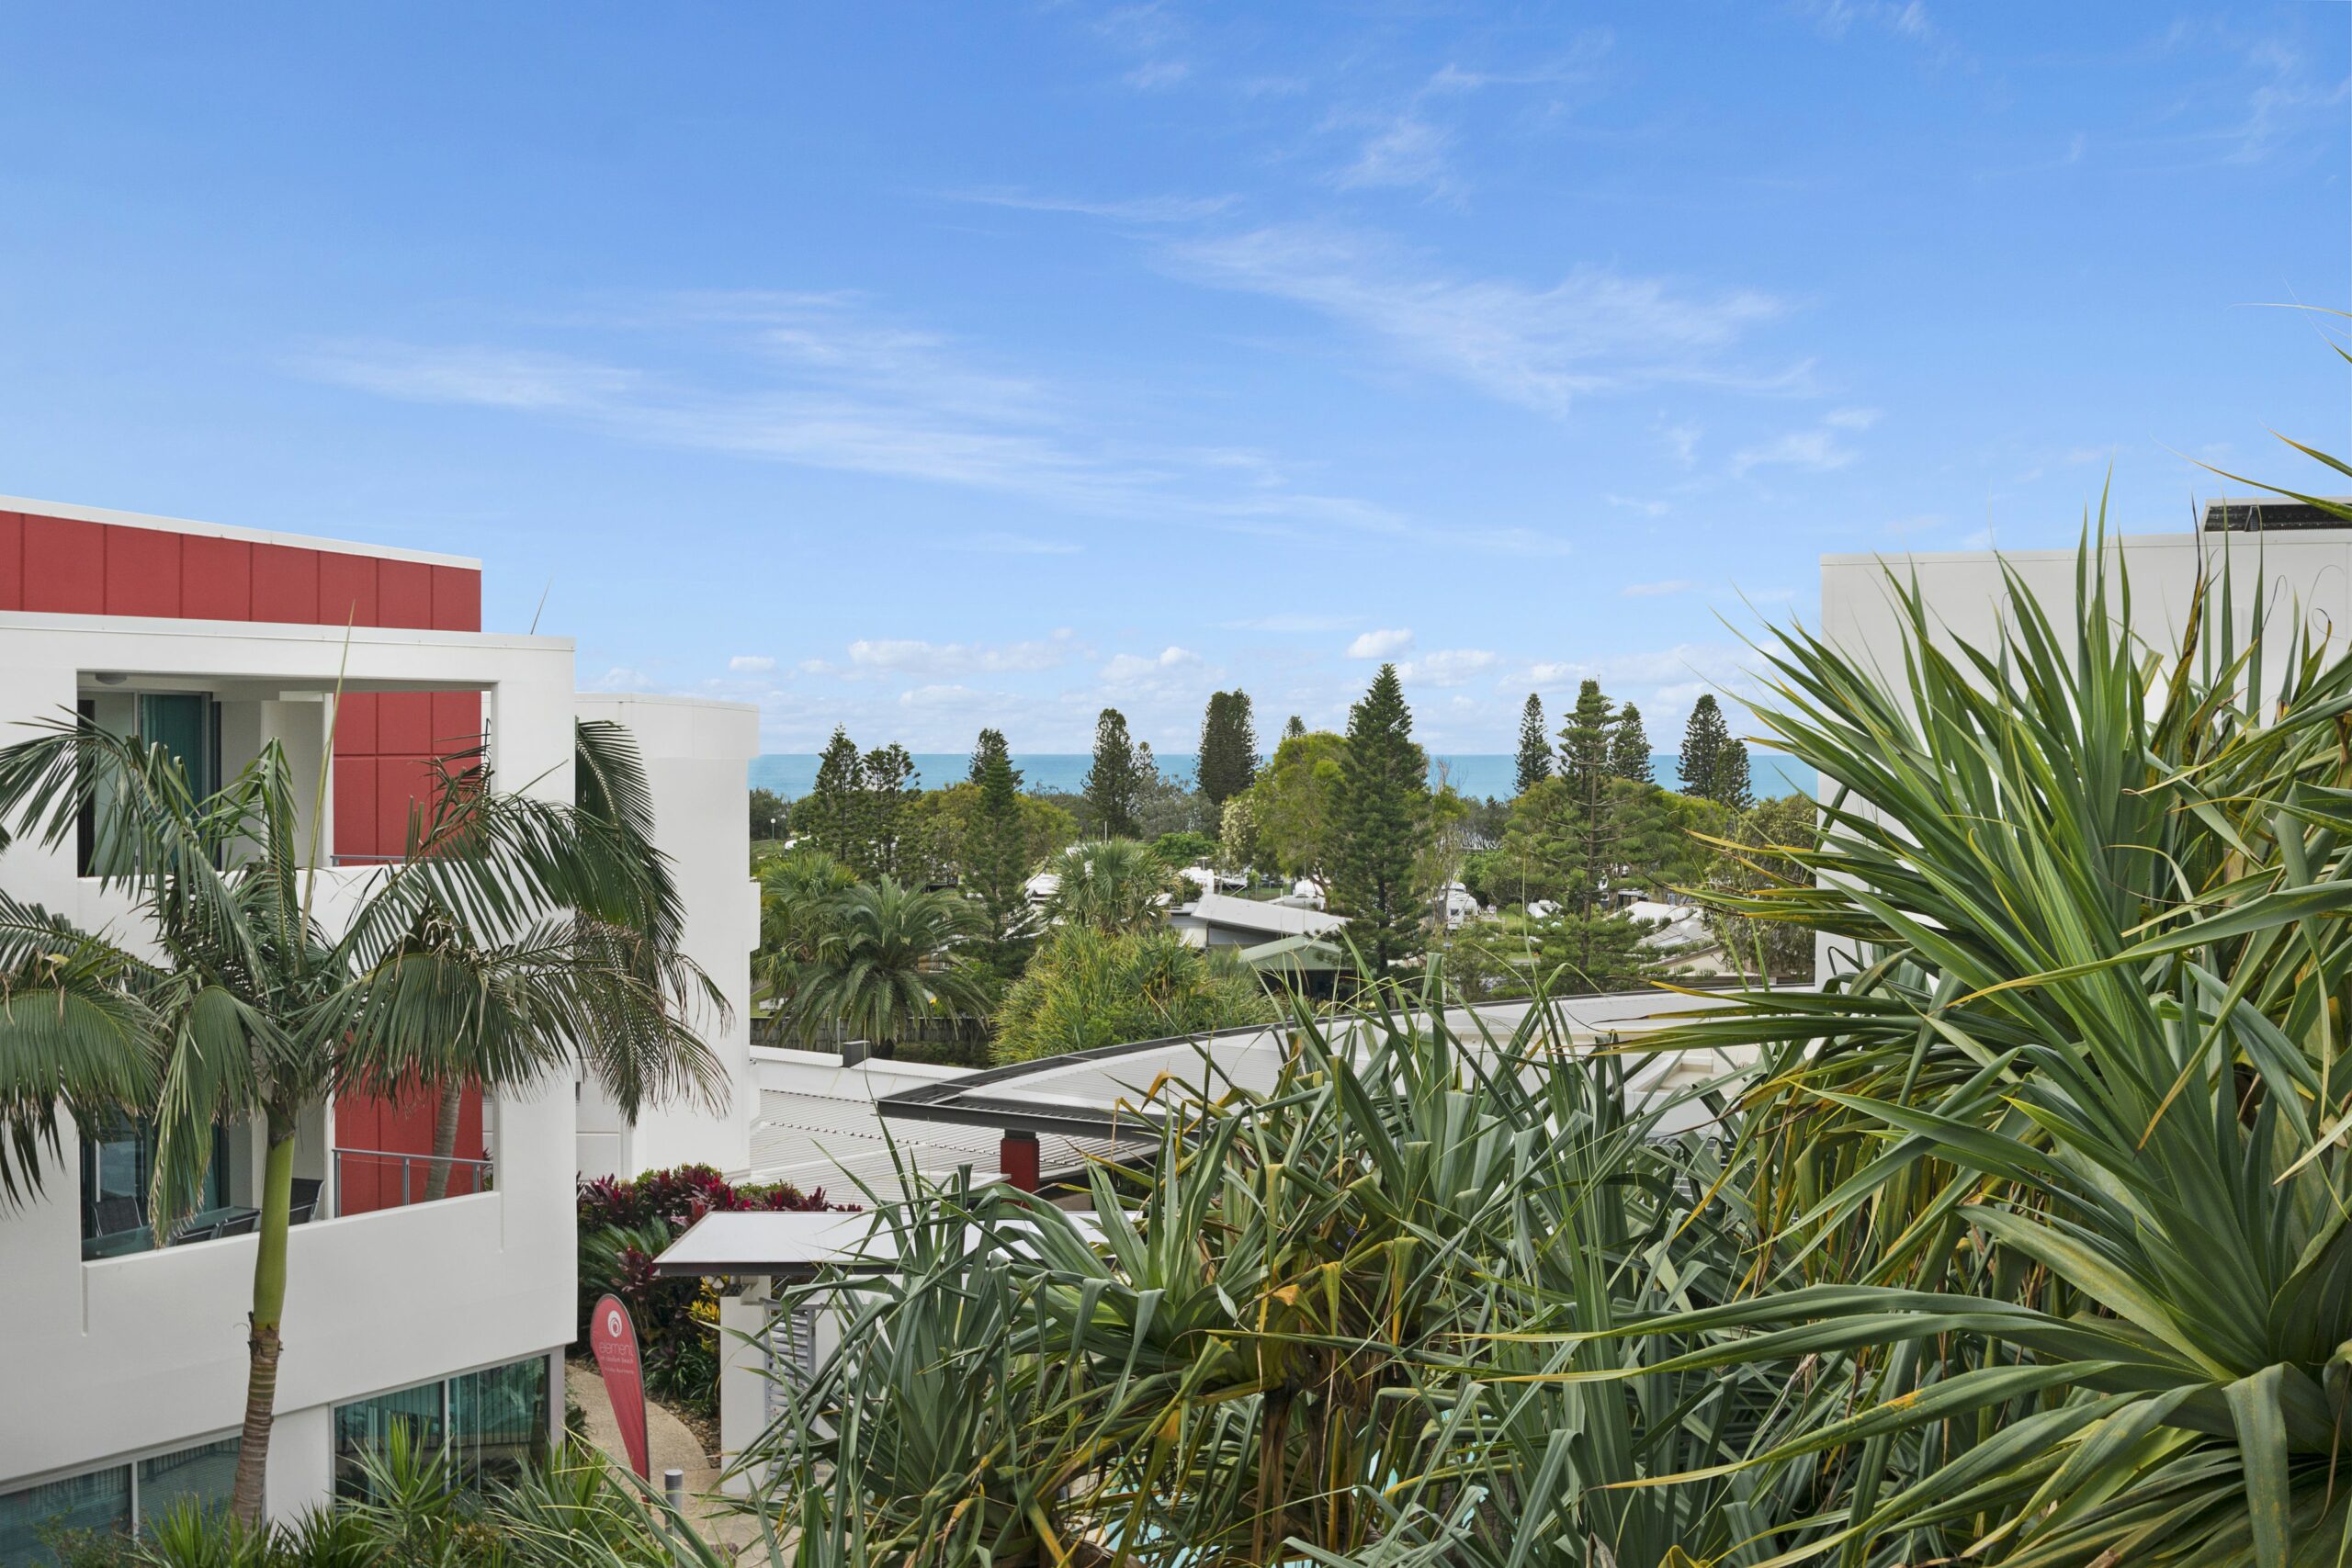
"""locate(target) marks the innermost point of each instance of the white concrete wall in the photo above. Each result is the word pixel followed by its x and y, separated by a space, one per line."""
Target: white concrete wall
pixel 697 755
pixel 2288 580
pixel 148 1351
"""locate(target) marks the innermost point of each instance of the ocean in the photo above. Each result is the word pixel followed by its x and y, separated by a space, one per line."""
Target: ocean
pixel 1476 774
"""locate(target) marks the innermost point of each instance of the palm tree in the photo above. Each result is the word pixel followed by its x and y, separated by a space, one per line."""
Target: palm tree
pixel 798 893
pixel 252 1007
pixel 888 959
pixel 1112 885
pixel 606 984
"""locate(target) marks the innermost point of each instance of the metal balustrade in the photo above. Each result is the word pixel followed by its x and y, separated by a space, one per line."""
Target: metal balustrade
pixel 398 1180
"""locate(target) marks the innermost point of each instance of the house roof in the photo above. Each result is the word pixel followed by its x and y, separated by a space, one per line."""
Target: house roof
pixel 840 1144
pixel 1296 953
pixel 1110 1091
pixel 1257 915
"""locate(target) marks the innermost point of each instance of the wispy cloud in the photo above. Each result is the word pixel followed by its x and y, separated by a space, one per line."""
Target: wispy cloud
pixel 1818 450
pixel 1150 35
pixel 1133 210
pixel 1449 667
pixel 1407 150
pixel 1386 643
pixel 914 657
pixel 825 381
pixel 1127 668
pixel 1289 622
pixel 751 664
pixel 1001 543
pixel 1595 330
pixel 1657 590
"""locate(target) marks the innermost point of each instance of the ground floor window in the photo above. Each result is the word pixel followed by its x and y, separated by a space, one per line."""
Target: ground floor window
pixel 494 1422
pixel 113 1499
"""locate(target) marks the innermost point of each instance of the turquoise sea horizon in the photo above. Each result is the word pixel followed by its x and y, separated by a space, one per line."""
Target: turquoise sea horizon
pixel 1476 774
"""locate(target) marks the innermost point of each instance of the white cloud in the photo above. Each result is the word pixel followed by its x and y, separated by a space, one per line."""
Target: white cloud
pixel 1289 622
pixel 997 544
pixel 823 381
pixel 751 664
pixel 1850 419
pixel 1657 590
pixel 1133 209
pixel 1382 644
pixel 940 696
pixel 1595 330
pixel 912 656
pixel 622 678
pixel 1636 503
pixel 1902 527
pixel 1407 150
pixel 1127 668
pixel 1449 667
pixel 1980 540
pixel 1818 451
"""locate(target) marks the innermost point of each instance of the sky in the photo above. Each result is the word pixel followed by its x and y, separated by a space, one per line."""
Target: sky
pixel 917 368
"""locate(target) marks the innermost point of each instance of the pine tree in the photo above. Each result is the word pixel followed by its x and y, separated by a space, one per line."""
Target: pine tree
pixel 1703 738
pixel 888 788
pixel 996 858
pixel 828 816
pixel 1534 745
pixel 1294 729
pixel 1629 748
pixel 1110 787
pixel 1584 743
pixel 1727 783
pixel 1229 760
pixel 1380 819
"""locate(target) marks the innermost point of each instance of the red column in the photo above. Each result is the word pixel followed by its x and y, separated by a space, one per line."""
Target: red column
pixel 1017 1157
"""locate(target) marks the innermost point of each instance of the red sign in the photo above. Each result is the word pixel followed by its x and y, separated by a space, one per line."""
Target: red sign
pixel 614 1338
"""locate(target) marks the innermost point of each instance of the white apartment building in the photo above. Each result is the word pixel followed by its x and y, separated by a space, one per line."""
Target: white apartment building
pixel 2287 563
pixel 127 1361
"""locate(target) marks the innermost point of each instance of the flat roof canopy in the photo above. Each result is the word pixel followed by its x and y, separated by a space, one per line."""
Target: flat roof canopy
pixel 1105 1092
pixel 777 1244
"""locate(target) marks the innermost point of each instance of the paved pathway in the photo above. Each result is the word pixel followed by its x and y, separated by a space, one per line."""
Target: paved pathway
pixel 669 1445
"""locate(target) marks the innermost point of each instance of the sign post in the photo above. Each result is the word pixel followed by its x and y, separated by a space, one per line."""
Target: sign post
pixel 614 1338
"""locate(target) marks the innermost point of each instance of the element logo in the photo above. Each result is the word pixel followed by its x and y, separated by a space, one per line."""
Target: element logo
pixel 613 1323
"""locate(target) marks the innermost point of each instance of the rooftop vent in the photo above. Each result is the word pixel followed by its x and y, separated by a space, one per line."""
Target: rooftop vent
pixel 2279 515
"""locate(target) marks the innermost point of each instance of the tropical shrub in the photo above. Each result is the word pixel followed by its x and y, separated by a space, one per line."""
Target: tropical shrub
pixel 1087 988
pixel 580 1512
pixel 2023 1242
pixel 624 1225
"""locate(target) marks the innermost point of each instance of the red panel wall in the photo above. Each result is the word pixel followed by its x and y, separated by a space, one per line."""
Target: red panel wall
pixel 396 1126
pixel 384 743
pixel 382 762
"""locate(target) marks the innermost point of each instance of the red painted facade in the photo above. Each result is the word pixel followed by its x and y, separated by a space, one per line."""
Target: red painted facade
pixel 384 742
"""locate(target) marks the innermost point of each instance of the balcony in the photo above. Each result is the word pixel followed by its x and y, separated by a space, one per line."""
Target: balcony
pixel 367 1180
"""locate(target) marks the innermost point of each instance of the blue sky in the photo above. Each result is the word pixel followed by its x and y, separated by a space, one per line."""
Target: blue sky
pixel 924 367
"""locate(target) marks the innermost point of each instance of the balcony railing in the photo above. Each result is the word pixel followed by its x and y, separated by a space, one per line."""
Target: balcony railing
pixel 369 1179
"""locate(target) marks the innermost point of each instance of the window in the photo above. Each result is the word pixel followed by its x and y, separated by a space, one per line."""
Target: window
pixel 202 1477
pixel 494 1421
pixel 118 1160
pixel 111 1500
pixel 97 1503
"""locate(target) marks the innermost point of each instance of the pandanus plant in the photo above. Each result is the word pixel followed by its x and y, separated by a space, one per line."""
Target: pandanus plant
pixel 501 944
pixel 2055 1179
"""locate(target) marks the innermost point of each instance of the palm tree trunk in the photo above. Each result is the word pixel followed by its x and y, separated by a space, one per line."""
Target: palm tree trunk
pixel 445 1140
pixel 263 1346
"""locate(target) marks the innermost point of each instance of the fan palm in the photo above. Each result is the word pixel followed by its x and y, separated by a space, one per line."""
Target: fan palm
pixel 887 960
pixel 230 997
pixel 1112 885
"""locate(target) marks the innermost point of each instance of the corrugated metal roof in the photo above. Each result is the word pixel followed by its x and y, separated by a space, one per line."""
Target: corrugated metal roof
pixel 835 1142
